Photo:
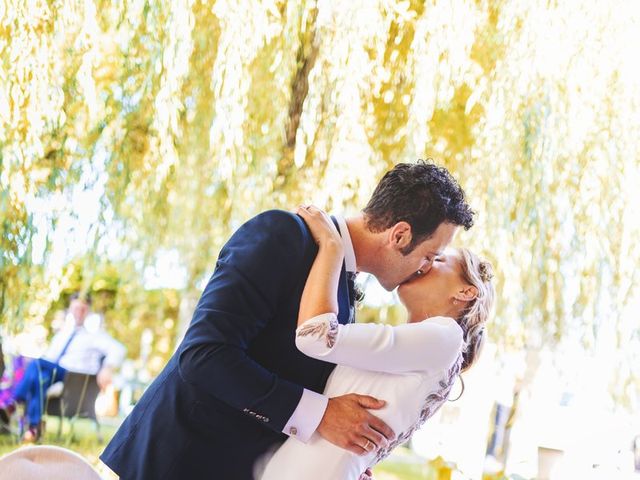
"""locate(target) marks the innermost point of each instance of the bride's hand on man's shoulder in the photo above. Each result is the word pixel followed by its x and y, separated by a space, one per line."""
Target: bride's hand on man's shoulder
pixel 322 228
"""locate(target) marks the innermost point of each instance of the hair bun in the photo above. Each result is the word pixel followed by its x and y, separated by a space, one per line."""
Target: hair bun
pixel 486 272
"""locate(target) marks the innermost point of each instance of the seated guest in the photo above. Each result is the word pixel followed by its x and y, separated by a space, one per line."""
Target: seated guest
pixel 73 349
pixel 8 382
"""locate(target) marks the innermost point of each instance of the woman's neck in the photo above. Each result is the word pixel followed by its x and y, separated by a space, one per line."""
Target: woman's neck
pixel 418 316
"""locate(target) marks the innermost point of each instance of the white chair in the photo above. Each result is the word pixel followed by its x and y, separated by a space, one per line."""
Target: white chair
pixel 45 461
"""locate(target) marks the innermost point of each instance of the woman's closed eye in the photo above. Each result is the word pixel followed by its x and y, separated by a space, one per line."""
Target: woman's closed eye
pixel 430 260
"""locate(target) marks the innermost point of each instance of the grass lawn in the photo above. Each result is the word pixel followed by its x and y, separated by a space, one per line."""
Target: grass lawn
pixel 402 466
pixel 394 470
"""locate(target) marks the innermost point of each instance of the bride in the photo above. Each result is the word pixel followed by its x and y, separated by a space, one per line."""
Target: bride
pixel 411 366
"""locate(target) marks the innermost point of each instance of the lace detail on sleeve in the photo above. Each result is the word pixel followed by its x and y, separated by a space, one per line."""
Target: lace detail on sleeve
pixel 431 405
pixel 326 328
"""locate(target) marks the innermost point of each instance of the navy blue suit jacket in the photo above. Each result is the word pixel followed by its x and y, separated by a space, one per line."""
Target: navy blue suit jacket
pixel 236 378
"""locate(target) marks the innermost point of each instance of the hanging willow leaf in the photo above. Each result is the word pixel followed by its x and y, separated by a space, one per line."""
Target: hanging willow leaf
pixel 188 117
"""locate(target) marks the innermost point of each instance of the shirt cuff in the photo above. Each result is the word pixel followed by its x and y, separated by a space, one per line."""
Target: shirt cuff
pixel 307 416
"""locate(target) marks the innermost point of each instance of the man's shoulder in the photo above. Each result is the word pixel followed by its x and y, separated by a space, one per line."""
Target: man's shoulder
pixel 279 221
pixel 274 231
pixel 277 215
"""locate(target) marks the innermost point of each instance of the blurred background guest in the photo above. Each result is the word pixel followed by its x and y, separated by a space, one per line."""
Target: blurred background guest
pixel 73 348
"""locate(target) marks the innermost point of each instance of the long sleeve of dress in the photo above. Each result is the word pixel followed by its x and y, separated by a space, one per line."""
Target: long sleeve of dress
pixel 432 344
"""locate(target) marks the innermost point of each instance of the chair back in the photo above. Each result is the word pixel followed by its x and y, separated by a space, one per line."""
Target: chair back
pixel 78 397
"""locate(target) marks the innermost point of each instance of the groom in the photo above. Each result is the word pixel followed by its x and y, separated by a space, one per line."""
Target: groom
pixel 236 385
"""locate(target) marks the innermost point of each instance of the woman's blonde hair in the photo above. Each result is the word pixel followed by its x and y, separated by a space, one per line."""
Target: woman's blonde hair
pixel 477 272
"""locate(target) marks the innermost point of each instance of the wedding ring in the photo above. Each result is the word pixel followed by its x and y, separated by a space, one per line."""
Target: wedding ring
pixel 366 445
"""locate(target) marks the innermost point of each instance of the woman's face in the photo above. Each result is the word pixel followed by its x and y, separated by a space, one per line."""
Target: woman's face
pixel 432 294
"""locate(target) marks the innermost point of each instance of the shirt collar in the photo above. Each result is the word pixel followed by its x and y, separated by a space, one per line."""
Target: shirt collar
pixel 349 253
pixel 73 328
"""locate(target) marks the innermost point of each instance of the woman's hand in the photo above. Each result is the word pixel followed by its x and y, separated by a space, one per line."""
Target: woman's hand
pixel 323 230
pixel 321 289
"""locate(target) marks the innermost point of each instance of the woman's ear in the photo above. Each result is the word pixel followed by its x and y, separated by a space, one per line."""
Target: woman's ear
pixel 400 235
pixel 466 293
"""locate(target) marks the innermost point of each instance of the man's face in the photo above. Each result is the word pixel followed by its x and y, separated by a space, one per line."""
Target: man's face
pixel 79 310
pixel 395 268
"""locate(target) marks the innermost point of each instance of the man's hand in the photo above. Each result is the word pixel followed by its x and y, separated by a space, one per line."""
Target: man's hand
pixel 104 377
pixel 348 424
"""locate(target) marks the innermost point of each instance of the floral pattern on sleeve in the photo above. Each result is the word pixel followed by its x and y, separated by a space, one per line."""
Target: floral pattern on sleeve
pixel 323 329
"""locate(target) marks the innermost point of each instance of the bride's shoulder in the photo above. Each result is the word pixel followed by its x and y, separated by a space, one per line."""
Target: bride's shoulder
pixel 447 325
pixel 445 322
pixel 442 320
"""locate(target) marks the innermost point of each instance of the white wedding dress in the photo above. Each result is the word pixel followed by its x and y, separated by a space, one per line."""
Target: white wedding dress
pixel 411 366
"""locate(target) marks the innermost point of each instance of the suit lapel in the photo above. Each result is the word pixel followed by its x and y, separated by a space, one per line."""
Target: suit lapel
pixel 344 302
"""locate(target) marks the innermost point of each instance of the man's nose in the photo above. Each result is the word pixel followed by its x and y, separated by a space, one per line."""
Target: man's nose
pixel 426 266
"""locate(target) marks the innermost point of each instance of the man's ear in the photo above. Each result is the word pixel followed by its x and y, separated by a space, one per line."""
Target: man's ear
pixel 466 293
pixel 400 235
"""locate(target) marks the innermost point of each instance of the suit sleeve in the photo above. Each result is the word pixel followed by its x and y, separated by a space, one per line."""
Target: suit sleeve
pixel 430 345
pixel 255 271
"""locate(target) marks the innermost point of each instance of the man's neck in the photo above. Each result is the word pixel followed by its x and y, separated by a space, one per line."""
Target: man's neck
pixel 365 243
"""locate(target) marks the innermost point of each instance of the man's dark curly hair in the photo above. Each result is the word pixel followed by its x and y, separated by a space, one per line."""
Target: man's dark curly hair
pixel 422 194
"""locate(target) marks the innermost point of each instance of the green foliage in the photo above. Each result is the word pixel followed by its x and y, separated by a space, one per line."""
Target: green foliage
pixel 190 116
pixel 128 308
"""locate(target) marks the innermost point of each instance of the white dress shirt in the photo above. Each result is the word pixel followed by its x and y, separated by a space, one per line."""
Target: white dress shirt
pixel 311 407
pixel 86 350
